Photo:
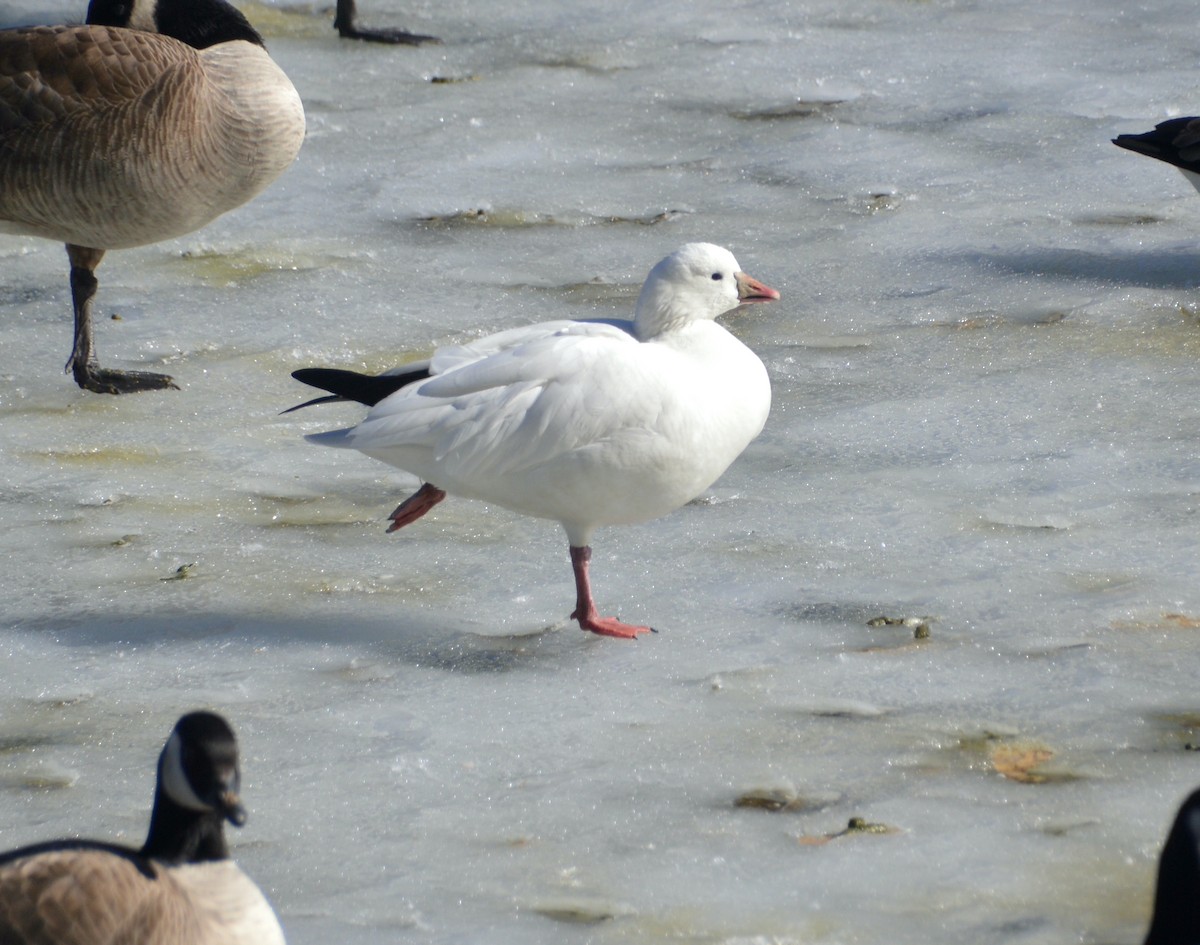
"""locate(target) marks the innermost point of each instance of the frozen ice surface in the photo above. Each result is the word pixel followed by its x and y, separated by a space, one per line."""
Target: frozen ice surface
pixel 987 395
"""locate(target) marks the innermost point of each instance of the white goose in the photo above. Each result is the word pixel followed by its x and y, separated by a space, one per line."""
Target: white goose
pixel 586 423
pixel 145 125
pixel 180 888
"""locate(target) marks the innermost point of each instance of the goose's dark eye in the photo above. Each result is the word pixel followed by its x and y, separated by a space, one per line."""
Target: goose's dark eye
pixel 717 277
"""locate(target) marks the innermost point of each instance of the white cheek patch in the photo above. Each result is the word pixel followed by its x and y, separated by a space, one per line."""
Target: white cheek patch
pixel 142 16
pixel 175 781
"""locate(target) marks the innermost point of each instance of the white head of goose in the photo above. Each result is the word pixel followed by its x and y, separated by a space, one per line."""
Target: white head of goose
pixel 180 888
pixel 146 124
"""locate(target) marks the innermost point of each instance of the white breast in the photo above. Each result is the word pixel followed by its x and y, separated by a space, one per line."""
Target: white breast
pixel 230 908
pixel 258 125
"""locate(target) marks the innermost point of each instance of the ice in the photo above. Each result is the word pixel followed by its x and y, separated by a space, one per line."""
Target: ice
pixel 986 381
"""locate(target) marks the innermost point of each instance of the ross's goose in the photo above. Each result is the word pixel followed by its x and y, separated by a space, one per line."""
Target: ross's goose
pixel 180 888
pixel 586 423
pixel 144 125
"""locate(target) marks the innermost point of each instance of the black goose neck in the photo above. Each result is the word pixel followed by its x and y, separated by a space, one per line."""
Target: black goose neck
pixel 199 23
pixel 179 835
pixel 204 23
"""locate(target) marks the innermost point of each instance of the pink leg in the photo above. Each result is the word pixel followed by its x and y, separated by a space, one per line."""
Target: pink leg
pixel 415 506
pixel 585 607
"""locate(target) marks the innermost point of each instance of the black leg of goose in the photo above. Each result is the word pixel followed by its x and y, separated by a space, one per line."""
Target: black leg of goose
pixel 88 374
pixel 345 20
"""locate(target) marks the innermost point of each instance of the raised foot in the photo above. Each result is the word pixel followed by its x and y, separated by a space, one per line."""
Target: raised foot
pixel 612 627
pixel 415 506
pixel 394 36
pixel 111 381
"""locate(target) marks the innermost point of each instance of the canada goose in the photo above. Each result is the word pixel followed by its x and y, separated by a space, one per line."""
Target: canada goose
pixel 1177 895
pixel 1176 142
pixel 180 888
pixel 345 22
pixel 142 126
pixel 586 423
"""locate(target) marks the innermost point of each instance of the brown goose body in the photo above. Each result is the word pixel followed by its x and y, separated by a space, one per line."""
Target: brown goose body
pixel 96 897
pixel 112 137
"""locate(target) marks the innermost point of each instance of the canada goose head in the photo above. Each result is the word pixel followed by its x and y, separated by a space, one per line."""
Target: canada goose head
pixel 698 281
pixel 199 23
pixel 197 791
pixel 179 889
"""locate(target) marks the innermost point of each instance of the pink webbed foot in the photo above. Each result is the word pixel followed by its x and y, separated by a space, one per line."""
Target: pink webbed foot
pixel 585 607
pixel 415 506
pixel 611 627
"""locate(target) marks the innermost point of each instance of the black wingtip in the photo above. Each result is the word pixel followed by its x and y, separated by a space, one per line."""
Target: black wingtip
pixel 328 399
pixel 366 389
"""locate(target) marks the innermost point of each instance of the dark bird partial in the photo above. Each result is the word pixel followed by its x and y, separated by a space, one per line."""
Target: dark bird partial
pixel 1176 142
pixel 1177 895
